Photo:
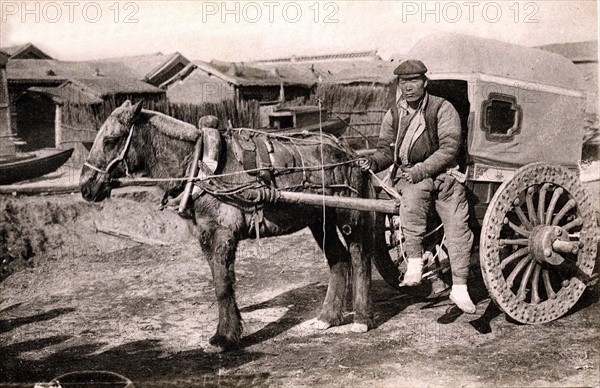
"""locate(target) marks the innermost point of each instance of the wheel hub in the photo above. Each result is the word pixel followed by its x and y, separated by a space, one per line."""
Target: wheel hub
pixel 540 243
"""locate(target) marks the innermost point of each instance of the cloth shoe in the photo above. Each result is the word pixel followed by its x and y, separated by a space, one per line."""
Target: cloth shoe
pixel 414 272
pixel 460 296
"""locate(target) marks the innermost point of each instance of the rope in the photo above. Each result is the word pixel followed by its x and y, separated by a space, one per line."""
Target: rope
pixel 298 137
pixel 217 176
pixel 356 130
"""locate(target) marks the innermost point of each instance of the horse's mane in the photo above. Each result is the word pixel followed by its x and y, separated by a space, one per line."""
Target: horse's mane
pixel 172 127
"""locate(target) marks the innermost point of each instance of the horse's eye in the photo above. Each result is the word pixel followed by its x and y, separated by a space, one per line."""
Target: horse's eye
pixel 110 142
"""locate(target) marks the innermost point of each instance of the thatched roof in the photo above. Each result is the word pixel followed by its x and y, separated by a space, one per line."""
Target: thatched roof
pixel 25 51
pixel 104 87
pixel 337 72
pixel 359 72
pixel 141 67
pixel 46 70
pixel 240 74
pixel 67 92
pixel 3 58
pixel 356 55
pixel 92 91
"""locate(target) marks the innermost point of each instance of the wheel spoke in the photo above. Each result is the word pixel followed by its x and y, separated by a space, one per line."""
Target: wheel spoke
pixel 530 207
pixel 516 228
pixel 557 193
pixel 576 222
pixel 542 202
pixel 522 288
pixel 520 241
pixel 535 295
pixel 568 206
pixel 509 259
pixel 511 278
pixel 549 291
pixel 524 221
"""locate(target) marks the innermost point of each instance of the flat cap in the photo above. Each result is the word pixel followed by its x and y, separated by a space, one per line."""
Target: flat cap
pixel 410 68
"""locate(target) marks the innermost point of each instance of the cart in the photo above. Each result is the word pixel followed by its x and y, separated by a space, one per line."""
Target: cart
pixel 522 120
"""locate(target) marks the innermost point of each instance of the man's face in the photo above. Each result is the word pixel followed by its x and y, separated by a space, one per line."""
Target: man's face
pixel 412 89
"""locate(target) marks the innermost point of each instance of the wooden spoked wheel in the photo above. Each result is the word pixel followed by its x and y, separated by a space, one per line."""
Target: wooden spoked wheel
pixel 386 258
pixel 389 260
pixel 538 245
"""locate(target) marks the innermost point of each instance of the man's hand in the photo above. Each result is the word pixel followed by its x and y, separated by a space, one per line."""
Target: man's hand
pixel 411 174
pixel 364 163
pixel 402 174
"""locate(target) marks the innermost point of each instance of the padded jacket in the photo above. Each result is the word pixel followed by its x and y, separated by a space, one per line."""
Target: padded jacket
pixel 433 152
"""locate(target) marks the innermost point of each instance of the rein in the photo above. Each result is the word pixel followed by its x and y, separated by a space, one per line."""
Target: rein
pixel 119 158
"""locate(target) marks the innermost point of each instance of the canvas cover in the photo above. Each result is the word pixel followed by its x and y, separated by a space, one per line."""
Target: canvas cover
pixel 547 87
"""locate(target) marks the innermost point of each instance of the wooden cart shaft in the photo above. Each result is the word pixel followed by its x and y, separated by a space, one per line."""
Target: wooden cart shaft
pixel 363 204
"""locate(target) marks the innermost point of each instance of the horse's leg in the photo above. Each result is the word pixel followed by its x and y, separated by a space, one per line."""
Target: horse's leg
pixel 361 279
pixel 338 259
pixel 219 246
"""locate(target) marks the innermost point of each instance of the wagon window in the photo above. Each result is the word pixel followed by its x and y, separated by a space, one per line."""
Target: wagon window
pixel 501 117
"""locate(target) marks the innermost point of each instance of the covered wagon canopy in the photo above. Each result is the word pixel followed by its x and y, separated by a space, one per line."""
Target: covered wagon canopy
pixel 467 57
pixel 525 104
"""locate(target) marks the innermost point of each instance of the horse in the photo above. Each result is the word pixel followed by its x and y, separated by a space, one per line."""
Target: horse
pixel 134 140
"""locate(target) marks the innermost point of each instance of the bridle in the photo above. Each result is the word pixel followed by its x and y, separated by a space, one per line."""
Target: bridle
pixel 119 158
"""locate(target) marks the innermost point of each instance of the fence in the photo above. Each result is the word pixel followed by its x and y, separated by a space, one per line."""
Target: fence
pixel 80 123
pixel 364 106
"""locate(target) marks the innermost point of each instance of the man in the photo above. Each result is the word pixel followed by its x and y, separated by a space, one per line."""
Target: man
pixel 421 139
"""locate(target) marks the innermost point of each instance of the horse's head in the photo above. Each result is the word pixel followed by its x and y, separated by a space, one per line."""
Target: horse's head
pixel 111 155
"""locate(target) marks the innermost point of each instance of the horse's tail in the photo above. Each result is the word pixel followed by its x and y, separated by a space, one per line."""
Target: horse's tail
pixel 376 246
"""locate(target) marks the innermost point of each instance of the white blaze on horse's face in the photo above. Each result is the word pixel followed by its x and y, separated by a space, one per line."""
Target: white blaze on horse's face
pixel 110 142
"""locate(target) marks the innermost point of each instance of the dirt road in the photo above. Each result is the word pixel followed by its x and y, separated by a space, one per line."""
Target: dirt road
pixel 88 301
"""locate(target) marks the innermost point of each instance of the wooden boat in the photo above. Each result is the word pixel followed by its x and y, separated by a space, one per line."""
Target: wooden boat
pixel 24 166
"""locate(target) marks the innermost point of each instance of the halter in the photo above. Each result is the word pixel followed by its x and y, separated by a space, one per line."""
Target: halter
pixel 119 158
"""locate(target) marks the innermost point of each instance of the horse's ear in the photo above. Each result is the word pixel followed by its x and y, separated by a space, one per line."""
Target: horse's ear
pixel 137 109
pixel 126 104
pixel 131 114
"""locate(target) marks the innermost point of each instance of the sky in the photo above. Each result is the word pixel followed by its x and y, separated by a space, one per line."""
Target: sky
pixel 250 30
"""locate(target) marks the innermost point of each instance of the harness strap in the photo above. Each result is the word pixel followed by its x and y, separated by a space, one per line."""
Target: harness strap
pixel 119 158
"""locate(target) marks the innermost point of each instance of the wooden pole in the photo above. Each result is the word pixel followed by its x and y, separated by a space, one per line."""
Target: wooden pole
pixel 363 204
pixel 40 189
pixel 128 236
pixel 193 171
pixel 58 126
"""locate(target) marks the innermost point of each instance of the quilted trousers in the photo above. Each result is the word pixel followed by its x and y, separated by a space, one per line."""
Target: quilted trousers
pixel 450 202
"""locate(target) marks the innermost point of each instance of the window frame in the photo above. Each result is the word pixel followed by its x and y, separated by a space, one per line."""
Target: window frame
pixel 512 131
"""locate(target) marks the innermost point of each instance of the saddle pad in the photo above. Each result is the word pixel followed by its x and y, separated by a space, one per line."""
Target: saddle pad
pixel 244 149
pixel 262 150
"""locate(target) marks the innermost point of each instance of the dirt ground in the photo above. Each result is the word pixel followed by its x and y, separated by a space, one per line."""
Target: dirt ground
pixel 72 299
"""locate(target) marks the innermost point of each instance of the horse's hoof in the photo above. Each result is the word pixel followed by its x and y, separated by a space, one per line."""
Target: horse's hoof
pixel 223 343
pixel 320 325
pixel 359 328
